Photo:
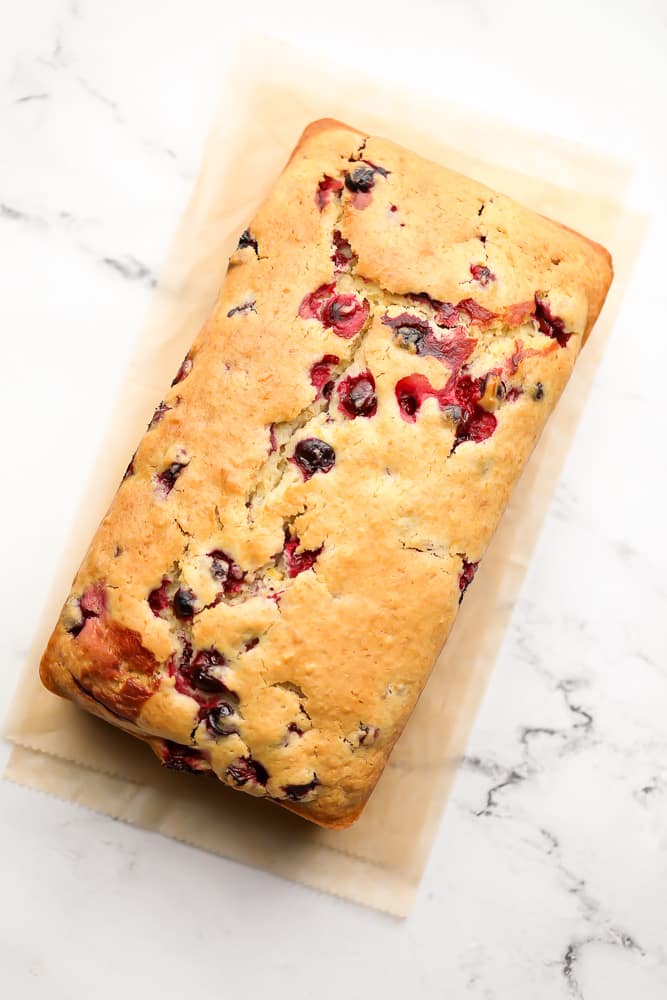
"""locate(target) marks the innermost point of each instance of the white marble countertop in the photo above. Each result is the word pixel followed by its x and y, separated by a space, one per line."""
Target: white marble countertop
pixel 549 875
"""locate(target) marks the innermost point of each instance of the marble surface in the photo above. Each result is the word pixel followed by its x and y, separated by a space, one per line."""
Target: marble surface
pixel 549 875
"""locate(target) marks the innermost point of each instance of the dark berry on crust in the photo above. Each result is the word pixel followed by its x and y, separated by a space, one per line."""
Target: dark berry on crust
pixel 482 274
pixel 296 792
pixel 360 180
pixel 244 308
pixel 184 603
pixel 538 391
pixel 345 314
pixel 245 769
pixel 216 720
pixel 167 478
pixel 246 240
pixel 468 570
pixel 158 599
pixel 226 571
pixel 356 395
pixel 299 562
pixel 184 370
pixel 314 455
pixel 549 324
pixel 180 758
pixel 199 672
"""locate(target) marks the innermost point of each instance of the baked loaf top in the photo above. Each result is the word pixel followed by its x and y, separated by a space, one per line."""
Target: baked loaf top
pixel 287 551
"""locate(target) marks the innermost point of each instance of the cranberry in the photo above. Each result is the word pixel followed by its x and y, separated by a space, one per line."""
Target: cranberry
pixel 273 440
pixel 159 413
pixel 549 324
pixel 513 394
pixel 226 571
pixel 367 733
pixel 246 769
pixel 411 392
pixel 293 728
pixel 481 273
pixel 538 391
pixel 447 315
pixel 468 570
pixel 215 720
pixel 158 599
pixel 168 477
pixel 184 370
pixel 345 314
pixel 476 423
pixel 356 395
pixel 415 332
pixel 311 305
pixel 246 240
pixel 296 792
pixel 314 455
pixel 362 179
pixel 179 758
pixel 324 190
pixel 244 308
pixel 343 255
pixel 476 313
pixel 184 603
pixel 299 562
pixel 92 604
pixel 251 643
pixel 320 375
pixel 199 674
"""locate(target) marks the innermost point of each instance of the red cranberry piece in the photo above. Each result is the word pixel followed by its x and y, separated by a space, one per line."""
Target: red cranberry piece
pixel 369 733
pixel 246 769
pixel 324 190
pixel 216 720
pixel 343 255
pixel 345 314
pixel 320 374
pixel 482 273
pixel 226 571
pixel 168 477
pixel 273 440
pixel 357 395
pixel 92 604
pixel 159 413
pixel 314 455
pixel 549 324
pixel 296 792
pixel 299 562
pixel 199 671
pixel 158 599
pixel 362 179
pixel 513 394
pixel 468 570
pixel 246 240
pixel 411 392
pixel 447 315
pixel 476 313
pixel 184 370
pixel 311 305
pixel 184 603
pixel 415 332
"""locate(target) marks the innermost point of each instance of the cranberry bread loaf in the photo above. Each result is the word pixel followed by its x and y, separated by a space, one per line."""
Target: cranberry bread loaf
pixel 287 551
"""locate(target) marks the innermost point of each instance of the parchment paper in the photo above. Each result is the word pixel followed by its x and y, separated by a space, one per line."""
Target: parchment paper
pixel 270 96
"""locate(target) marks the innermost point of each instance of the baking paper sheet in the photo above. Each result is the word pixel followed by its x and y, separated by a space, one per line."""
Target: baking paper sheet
pixel 60 749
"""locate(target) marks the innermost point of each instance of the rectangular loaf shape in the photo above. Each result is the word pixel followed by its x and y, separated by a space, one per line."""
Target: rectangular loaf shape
pixel 287 551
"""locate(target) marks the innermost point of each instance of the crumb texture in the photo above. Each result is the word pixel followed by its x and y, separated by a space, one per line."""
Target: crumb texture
pixel 292 538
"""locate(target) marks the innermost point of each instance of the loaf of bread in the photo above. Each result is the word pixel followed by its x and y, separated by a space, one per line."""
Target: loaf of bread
pixel 287 551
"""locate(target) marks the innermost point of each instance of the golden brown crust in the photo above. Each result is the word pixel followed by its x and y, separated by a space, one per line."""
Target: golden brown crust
pixel 268 609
